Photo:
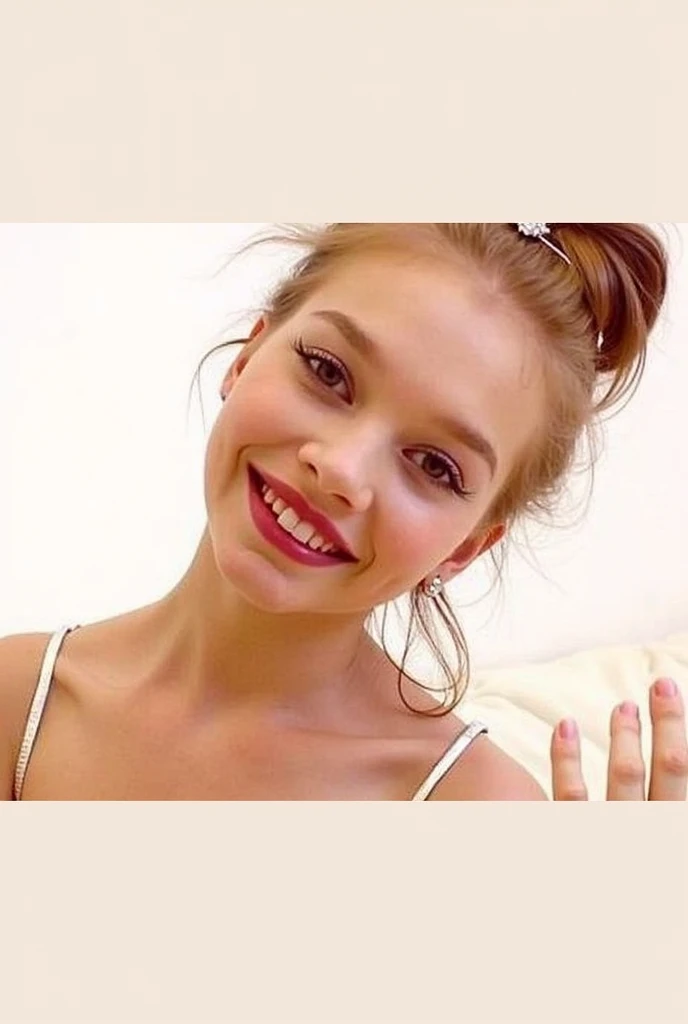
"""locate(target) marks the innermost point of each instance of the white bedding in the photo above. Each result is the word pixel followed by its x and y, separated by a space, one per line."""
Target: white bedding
pixel 522 704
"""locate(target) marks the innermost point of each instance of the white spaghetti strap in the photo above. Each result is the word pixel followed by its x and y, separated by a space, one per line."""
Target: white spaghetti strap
pixel 39 698
pixel 460 744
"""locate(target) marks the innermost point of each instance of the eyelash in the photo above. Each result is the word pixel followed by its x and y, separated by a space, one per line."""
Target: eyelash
pixel 308 354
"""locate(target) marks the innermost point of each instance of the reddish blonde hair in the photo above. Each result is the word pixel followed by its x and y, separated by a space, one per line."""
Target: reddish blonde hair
pixel 613 290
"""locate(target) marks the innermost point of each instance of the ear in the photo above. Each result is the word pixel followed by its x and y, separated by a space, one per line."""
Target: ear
pixel 242 359
pixel 259 326
pixel 473 547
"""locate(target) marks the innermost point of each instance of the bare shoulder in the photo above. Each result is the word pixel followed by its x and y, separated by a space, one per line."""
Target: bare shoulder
pixel 486 772
pixel 20 660
pixel 483 772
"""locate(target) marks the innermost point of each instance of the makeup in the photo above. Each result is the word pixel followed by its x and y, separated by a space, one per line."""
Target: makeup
pixel 267 525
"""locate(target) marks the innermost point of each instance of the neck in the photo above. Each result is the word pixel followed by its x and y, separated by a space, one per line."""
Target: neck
pixel 220 647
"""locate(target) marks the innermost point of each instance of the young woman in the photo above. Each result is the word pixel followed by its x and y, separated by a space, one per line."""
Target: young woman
pixel 409 391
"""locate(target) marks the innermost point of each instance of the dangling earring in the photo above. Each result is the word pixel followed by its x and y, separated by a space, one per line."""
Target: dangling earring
pixel 434 588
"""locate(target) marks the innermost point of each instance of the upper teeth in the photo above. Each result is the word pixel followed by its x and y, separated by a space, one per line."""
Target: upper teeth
pixel 289 521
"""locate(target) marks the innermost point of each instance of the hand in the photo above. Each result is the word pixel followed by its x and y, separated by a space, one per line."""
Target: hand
pixel 626 774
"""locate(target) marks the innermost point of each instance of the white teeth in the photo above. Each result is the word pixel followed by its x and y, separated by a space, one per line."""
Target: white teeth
pixel 288 519
pixel 303 532
pixel 290 522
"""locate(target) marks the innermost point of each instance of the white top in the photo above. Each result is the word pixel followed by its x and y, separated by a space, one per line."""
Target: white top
pixel 33 722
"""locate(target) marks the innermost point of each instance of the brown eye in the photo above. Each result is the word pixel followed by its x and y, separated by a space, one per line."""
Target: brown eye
pixel 453 479
pixel 439 463
pixel 329 369
pixel 327 366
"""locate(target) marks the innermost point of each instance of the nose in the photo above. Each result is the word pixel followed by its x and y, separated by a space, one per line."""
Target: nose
pixel 339 469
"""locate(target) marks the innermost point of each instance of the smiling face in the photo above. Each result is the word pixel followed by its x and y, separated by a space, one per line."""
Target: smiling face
pixel 396 401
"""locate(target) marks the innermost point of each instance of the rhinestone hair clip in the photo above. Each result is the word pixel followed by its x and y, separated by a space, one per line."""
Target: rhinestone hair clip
pixel 540 231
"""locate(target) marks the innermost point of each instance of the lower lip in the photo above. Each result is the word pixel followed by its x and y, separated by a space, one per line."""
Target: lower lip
pixel 267 525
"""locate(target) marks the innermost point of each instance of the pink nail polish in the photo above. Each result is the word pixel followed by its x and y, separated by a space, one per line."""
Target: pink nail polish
pixel 665 688
pixel 568 729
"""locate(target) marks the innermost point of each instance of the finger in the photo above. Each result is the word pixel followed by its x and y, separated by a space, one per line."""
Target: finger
pixel 626 775
pixel 567 775
pixel 669 770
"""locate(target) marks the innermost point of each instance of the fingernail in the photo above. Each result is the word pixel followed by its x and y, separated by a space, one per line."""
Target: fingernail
pixel 665 688
pixel 568 729
pixel 629 709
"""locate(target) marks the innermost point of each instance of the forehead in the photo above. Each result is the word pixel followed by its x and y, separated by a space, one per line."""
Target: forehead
pixel 448 342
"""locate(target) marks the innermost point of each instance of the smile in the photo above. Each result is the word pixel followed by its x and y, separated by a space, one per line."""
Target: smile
pixel 280 525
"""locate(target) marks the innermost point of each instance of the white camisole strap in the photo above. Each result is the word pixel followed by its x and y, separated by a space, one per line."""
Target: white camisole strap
pixel 447 761
pixel 449 758
pixel 33 721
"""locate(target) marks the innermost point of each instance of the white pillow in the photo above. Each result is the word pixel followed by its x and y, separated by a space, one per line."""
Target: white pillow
pixel 522 704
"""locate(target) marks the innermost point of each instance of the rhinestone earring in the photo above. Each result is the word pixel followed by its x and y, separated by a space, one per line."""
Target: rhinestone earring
pixel 434 588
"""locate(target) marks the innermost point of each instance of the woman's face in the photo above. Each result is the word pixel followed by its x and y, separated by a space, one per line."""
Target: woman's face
pixel 364 431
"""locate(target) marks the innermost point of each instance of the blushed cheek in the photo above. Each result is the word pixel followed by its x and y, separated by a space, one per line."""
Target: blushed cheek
pixel 405 547
pixel 412 544
pixel 266 414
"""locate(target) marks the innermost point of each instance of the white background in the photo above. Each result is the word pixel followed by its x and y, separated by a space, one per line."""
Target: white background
pixel 101 329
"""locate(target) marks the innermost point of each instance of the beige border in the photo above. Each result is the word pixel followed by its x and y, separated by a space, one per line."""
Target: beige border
pixel 345 912
pixel 194 110
pixel 200 110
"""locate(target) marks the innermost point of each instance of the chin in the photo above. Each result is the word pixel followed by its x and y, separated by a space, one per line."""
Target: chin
pixel 255 581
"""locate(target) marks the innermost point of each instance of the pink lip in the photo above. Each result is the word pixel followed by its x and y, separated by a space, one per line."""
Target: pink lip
pixel 303 510
pixel 267 523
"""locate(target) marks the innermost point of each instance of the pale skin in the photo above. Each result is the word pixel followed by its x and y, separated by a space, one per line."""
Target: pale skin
pixel 254 677
pixel 627 777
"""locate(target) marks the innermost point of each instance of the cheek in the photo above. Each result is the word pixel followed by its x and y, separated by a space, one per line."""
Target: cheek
pixel 411 533
pixel 266 410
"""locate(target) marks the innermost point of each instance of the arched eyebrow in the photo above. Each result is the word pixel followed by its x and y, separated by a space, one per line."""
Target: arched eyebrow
pixel 353 333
